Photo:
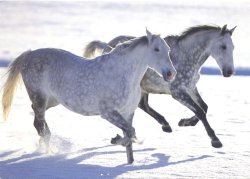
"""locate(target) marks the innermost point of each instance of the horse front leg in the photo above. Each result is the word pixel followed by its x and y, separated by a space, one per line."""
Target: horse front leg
pixel 194 120
pixel 200 101
pixel 184 98
pixel 116 139
pixel 116 119
pixel 119 140
pixel 159 118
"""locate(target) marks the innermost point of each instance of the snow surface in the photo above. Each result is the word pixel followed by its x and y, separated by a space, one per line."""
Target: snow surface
pixel 81 145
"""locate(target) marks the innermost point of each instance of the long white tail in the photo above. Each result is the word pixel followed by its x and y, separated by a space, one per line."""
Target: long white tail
pixel 93 46
pixel 10 85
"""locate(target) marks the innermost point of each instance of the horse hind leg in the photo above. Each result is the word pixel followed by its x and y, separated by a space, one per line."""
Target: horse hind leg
pixel 39 106
pixel 144 105
pixel 189 121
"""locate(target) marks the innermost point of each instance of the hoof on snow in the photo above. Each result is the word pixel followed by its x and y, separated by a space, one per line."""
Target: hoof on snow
pixel 216 143
pixel 167 129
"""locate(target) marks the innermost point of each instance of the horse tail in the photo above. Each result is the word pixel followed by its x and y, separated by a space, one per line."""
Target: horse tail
pixel 10 85
pixel 91 48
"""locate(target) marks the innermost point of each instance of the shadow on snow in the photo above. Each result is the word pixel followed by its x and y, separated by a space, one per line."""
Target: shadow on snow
pixel 36 165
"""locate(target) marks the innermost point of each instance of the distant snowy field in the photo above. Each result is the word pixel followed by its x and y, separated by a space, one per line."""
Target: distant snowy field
pixel 70 25
pixel 81 144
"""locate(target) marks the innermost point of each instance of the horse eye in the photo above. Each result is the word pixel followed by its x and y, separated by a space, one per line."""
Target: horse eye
pixel 224 47
pixel 157 49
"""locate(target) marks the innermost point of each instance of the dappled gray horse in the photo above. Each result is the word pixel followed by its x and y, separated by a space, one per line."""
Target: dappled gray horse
pixel 108 85
pixel 188 53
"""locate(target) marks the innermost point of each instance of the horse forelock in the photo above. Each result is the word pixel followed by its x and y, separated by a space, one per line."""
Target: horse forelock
pixel 196 29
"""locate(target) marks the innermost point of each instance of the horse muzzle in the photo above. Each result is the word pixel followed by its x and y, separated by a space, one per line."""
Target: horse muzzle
pixel 168 75
pixel 227 72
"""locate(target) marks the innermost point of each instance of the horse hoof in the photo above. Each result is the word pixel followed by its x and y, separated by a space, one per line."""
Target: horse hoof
pixel 130 161
pixel 188 122
pixel 183 122
pixel 216 144
pixel 166 129
pixel 115 139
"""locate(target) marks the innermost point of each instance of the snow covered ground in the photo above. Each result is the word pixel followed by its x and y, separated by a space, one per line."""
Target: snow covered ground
pixel 81 144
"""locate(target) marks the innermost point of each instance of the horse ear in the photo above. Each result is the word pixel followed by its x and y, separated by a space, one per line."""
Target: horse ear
pixel 232 30
pixel 149 35
pixel 223 29
pixel 171 40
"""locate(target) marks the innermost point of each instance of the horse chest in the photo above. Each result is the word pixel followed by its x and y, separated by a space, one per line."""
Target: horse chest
pixel 129 101
pixel 186 79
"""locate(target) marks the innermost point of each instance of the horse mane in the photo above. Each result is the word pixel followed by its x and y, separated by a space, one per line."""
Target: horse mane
pixel 195 29
pixel 130 44
pixel 120 39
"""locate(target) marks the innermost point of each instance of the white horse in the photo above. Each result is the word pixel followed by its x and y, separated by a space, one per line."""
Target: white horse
pixel 108 86
pixel 188 53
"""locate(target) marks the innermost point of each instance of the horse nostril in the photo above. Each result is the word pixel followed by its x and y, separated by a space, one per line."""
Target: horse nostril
pixel 169 73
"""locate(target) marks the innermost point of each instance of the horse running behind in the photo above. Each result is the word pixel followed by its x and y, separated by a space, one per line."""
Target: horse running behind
pixel 188 53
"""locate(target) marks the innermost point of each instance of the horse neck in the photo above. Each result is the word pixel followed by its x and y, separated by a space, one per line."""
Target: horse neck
pixel 133 64
pixel 195 47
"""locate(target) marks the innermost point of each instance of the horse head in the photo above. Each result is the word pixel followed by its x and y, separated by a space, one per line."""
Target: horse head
pixel 159 56
pixel 222 50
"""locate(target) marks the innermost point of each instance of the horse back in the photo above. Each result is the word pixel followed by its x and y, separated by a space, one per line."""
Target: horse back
pixel 44 66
